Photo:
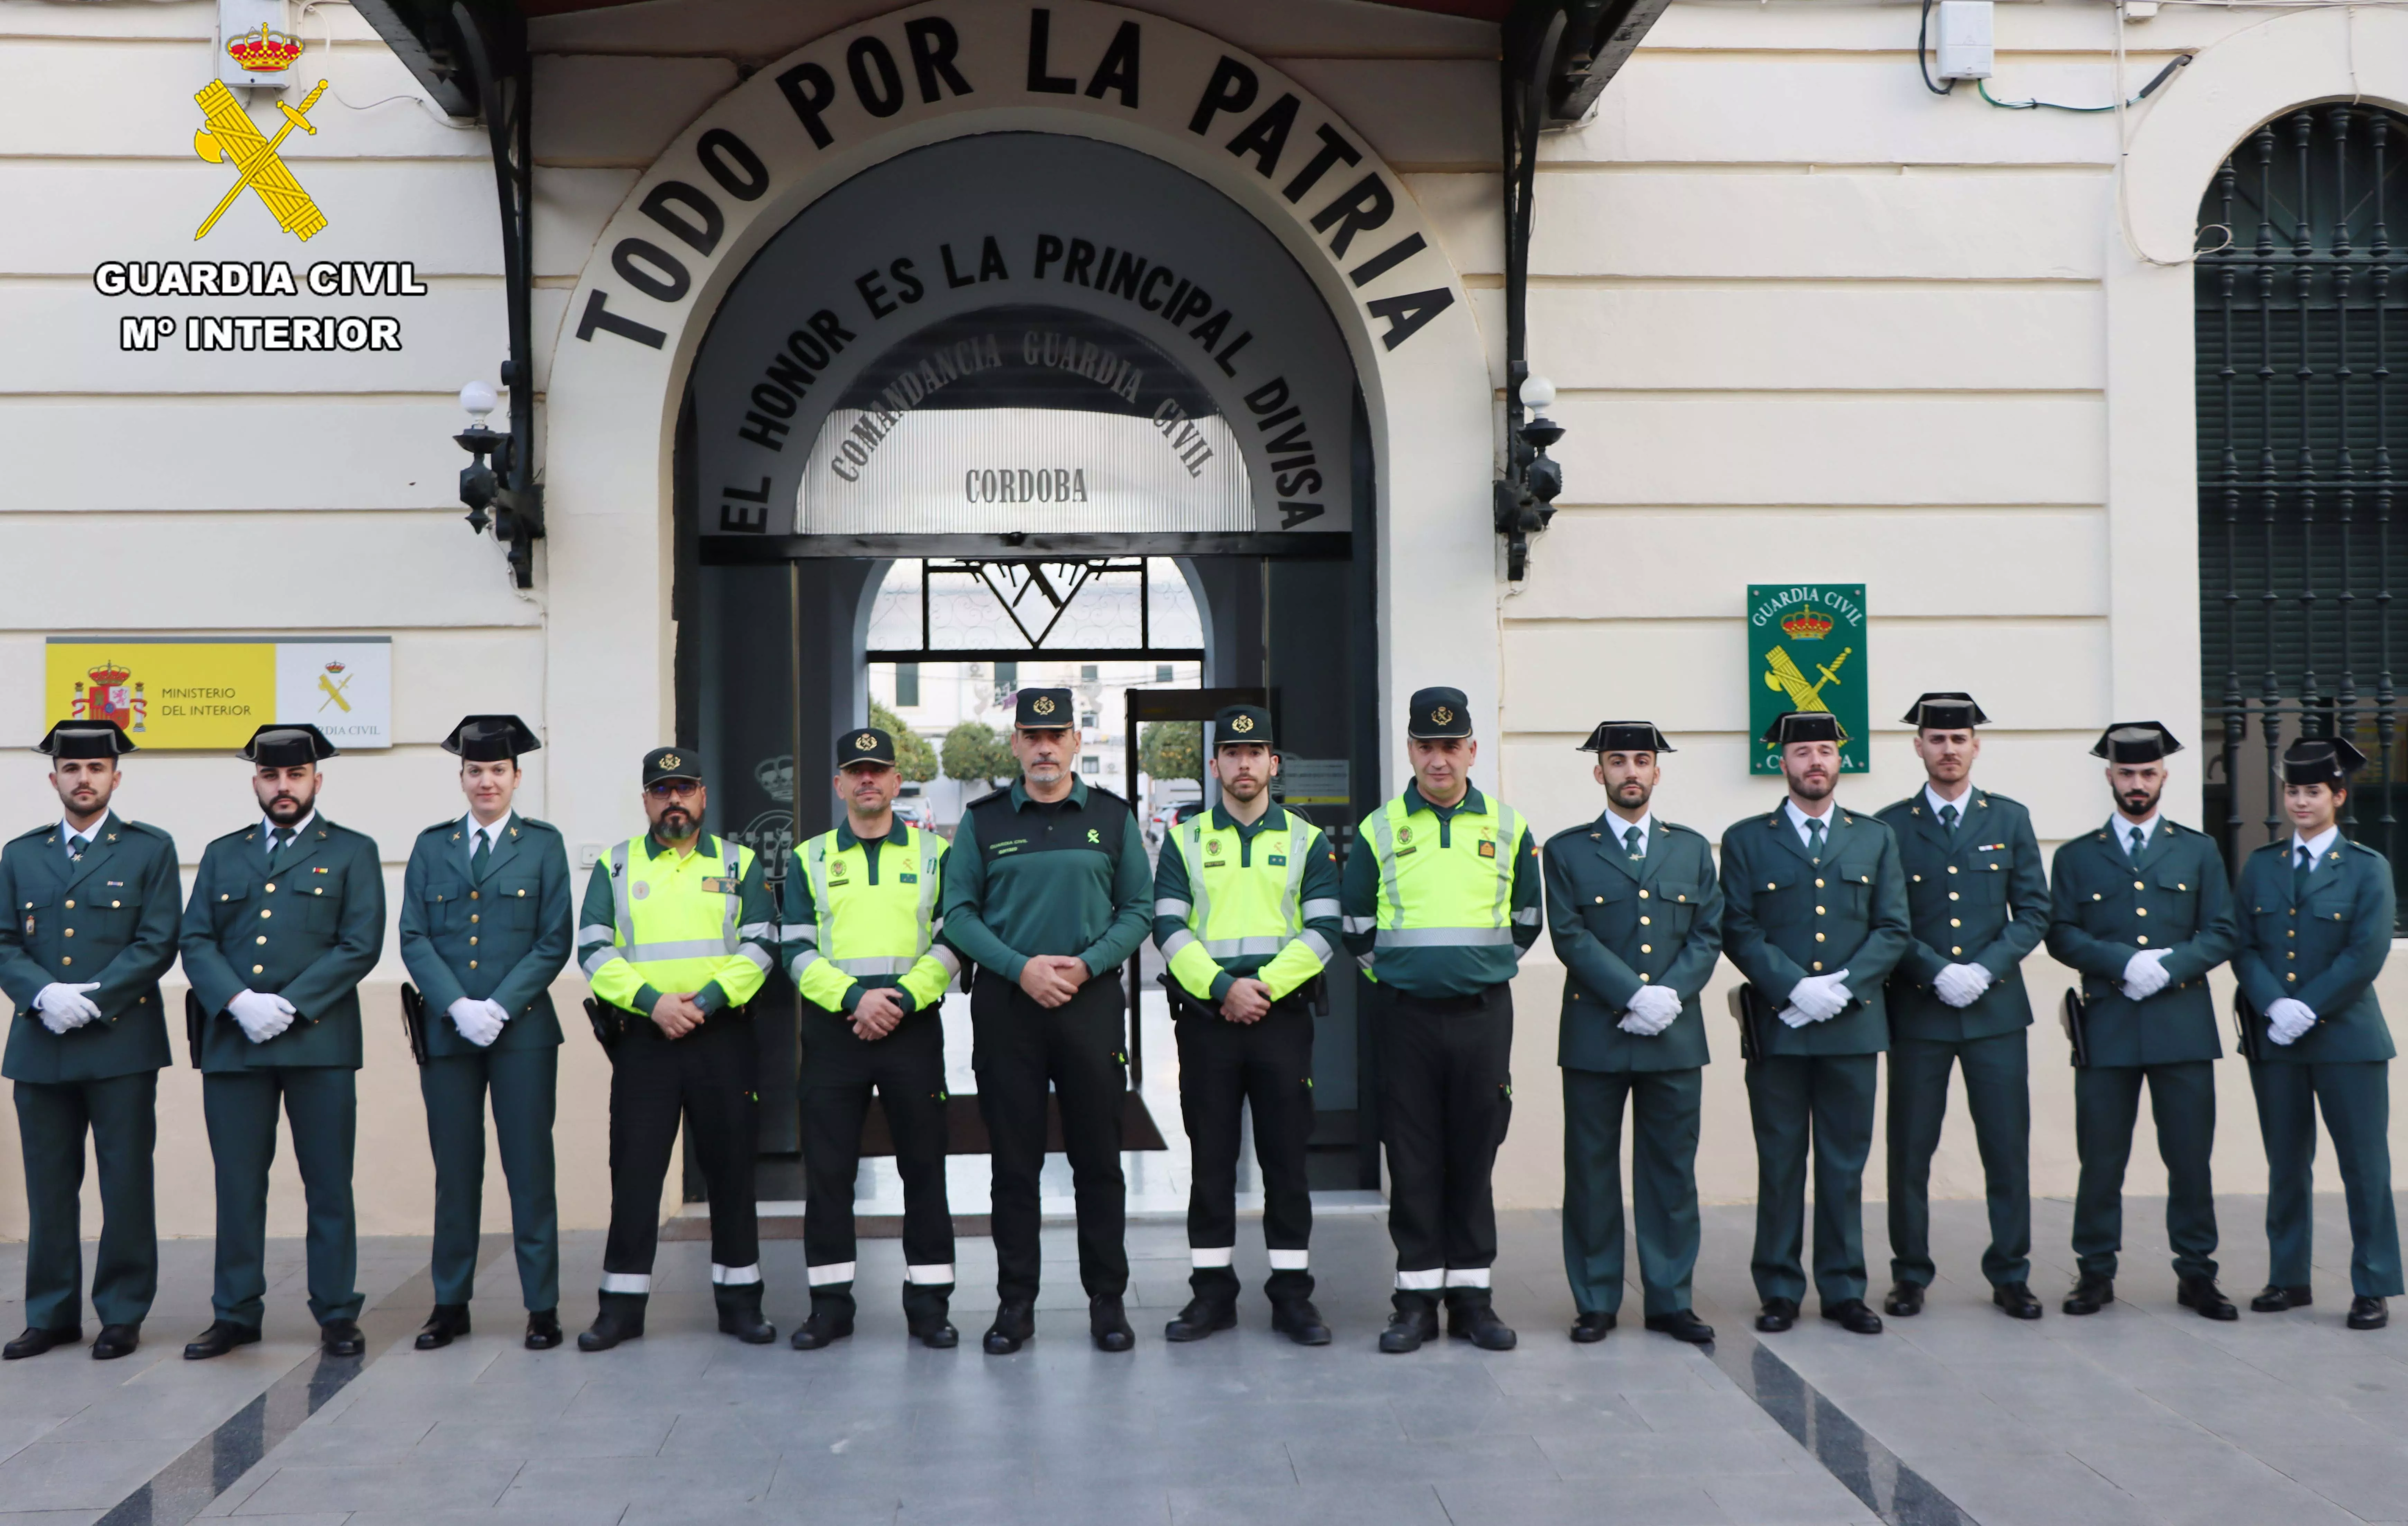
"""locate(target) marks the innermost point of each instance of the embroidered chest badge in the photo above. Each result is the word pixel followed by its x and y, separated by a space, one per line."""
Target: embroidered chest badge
pixel 1487 849
pixel 719 885
pixel 1279 860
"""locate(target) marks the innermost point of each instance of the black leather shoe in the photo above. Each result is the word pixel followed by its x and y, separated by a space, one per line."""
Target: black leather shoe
pixel 2276 1298
pixel 1682 1325
pixel 1299 1321
pixel 1477 1322
pixel 1409 1328
pixel 621 1318
pixel 2367 1314
pixel 1592 1327
pixel 818 1330
pixel 936 1334
pixel 2090 1295
pixel 220 1338
pixel 1014 1324
pixel 1853 1316
pixel 1779 1314
pixel 341 1338
pixel 739 1313
pixel 2017 1300
pixel 33 1342
pixel 1905 1300
pixel 116 1341
pixel 1199 1318
pixel 1108 1324
pixel 2201 1293
pixel 447 1323
pixel 543 1329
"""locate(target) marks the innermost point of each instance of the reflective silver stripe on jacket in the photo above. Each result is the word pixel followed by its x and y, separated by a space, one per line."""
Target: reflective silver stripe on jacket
pixel 1177 941
pixel 1383 853
pixel 1317 910
pixel 592 963
pixel 931 881
pixel 731 856
pixel 885 966
pixel 620 905
pixel 1171 908
pixel 1442 937
pixel 799 933
pixel 1240 948
pixel 1319 945
pixel 644 953
pixel 594 932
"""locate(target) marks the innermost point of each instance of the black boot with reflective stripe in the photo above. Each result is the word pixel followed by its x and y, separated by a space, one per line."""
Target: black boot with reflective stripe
pixel 739 1313
pixel 619 1319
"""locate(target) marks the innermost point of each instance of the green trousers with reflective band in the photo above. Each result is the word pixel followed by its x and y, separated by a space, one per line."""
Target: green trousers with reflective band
pixel 523 1084
pixel 1665 1107
pixel 1825 1101
pixel 121 1114
pixel 2356 1102
pixel 1998 1093
pixel 2106 1107
pixel 321 1103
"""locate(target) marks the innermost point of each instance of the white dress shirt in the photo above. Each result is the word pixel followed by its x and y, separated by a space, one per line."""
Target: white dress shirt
pixel 2317 847
pixel 1962 803
pixel 2127 830
pixel 1798 819
pixel 1621 830
pixel 270 829
pixel 492 834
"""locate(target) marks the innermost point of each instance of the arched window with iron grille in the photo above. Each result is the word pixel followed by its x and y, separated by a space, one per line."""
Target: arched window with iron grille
pixel 2301 318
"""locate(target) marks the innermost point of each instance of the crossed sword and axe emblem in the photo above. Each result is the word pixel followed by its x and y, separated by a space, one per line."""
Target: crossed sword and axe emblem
pixel 231 135
pixel 1783 675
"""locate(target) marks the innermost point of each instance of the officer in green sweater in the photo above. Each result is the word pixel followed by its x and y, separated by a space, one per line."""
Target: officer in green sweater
pixel 1635 909
pixel 485 932
pixel 90 905
pixel 2141 909
pixel 2316 916
pixel 286 918
pixel 1048 893
pixel 1815 918
pixel 1980 903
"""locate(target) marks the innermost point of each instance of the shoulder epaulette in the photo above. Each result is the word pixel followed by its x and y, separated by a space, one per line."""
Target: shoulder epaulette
pixel 1912 805
pixel 449 823
pixel 543 825
pixel 238 835
pixel 989 798
pixel 145 828
pixel 1094 790
pixel 42 830
pixel 1675 826
pixel 1989 795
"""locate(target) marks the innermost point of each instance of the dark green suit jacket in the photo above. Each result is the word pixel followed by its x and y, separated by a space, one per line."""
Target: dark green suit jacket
pixel 2105 909
pixel 502 938
pixel 1981 900
pixel 310 933
pixel 109 917
pixel 1615 920
pixel 2324 949
pixel 1786 917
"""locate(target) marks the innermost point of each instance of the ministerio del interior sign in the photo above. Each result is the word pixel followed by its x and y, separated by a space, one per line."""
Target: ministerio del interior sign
pixel 212 694
pixel 1806 651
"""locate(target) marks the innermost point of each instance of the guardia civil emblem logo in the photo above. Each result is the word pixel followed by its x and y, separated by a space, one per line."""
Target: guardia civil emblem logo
pixel 1243 725
pixel 865 743
pixel 1404 835
pixel 1042 705
pixel 1442 716
pixel 1793 629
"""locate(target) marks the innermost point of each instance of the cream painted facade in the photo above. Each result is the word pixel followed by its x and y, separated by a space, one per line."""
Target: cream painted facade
pixel 1808 321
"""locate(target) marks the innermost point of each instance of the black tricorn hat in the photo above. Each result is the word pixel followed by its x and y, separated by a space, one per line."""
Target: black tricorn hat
pixel 490 738
pixel 1626 736
pixel 1240 725
pixel 1802 726
pixel 2321 760
pixel 1044 709
pixel 2135 742
pixel 85 739
pixel 865 745
pixel 278 745
pixel 1946 710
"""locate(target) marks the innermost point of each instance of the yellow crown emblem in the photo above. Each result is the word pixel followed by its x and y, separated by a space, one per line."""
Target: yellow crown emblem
pixel 671 760
pixel 263 50
pixel 1243 724
pixel 1442 716
pixel 1042 705
pixel 865 742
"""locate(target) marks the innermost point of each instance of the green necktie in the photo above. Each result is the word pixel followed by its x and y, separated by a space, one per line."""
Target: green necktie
pixel 2300 869
pixel 1631 842
pixel 478 858
pixel 2133 843
pixel 1814 838
pixel 281 839
pixel 1948 820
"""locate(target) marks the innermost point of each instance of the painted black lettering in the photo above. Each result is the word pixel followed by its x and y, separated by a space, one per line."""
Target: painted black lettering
pixel 1208 333
pixel 1083 255
pixel 1221 356
pixel 1270 394
pixel 873 293
pixel 691 217
pixel 1126 275
pixel 763 432
pixel 991 262
pixel 1145 297
pixel 934 42
pixel 774 401
pixel 1266 136
pixel 1049 248
pixel 810 91
pixel 808 351
pixel 876 82
pixel 1041 37
pixel 907 282
pixel 953 278
pixel 651 269
pixel 1298 438
pixel 825 325
pixel 733 164
pixel 1293 514
pixel 1196 304
pixel 1408 313
pixel 598 315
pixel 1387 260
pixel 1362 207
pixel 1118 69
pixel 1334 150
pixel 1232 88
pixel 789 372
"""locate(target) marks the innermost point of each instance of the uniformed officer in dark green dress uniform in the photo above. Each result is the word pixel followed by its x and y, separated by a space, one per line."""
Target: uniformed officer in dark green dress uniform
pixel 286 918
pixel 485 928
pixel 90 927
pixel 1814 916
pixel 1635 909
pixel 2315 914
pixel 1979 898
pixel 2141 909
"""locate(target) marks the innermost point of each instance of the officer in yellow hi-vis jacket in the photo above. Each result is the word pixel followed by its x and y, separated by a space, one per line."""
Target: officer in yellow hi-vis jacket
pixel 1245 907
pixel 676 936
pixel 859 939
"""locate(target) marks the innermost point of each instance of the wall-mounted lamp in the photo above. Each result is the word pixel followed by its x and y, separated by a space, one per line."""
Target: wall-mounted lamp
pixel 495 478
pixel 1525 495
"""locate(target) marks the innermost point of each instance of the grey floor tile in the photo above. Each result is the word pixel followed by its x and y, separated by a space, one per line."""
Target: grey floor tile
pixel 1693 1455
pixel 2030 1490
pixel 1343 1504
pixel 1637 1502
pixel 1805 1497
pixel 402 1487
pixel 453 1441
pixel 701 1482
pixel 83 1474
pixel 2368 1479
pixel 49 1518
pixel 1515 1459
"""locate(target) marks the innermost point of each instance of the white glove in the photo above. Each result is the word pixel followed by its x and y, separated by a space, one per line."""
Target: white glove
pixel 2288 1020
pixel 1962 985
pixel 260 1016
pixel 2145 973
pixel 1793 1018
pixel 1653 1009
pixel 63 1006
pixel 1820 997
pixel 479 1023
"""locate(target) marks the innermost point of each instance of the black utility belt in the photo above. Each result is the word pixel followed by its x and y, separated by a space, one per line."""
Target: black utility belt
pixel 1479 1001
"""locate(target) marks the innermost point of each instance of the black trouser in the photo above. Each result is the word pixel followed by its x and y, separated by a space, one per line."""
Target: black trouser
pixel 908 1069
pixel 1446 1095
pixel 1224 1068
pixel 709 1079
pixel 1018 1046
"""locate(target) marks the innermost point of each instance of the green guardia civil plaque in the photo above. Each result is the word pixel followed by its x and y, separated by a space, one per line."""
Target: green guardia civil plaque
pixel 1806 651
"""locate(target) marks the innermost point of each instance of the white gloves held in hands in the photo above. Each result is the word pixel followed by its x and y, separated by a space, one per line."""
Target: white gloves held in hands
pixel 1653 1009
pixel 2145 973
pixel 260 1016
pixel 63 1007
pixel 479 1023
pixel 1817 998
pixel 2288 1019
pixel 1962 985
